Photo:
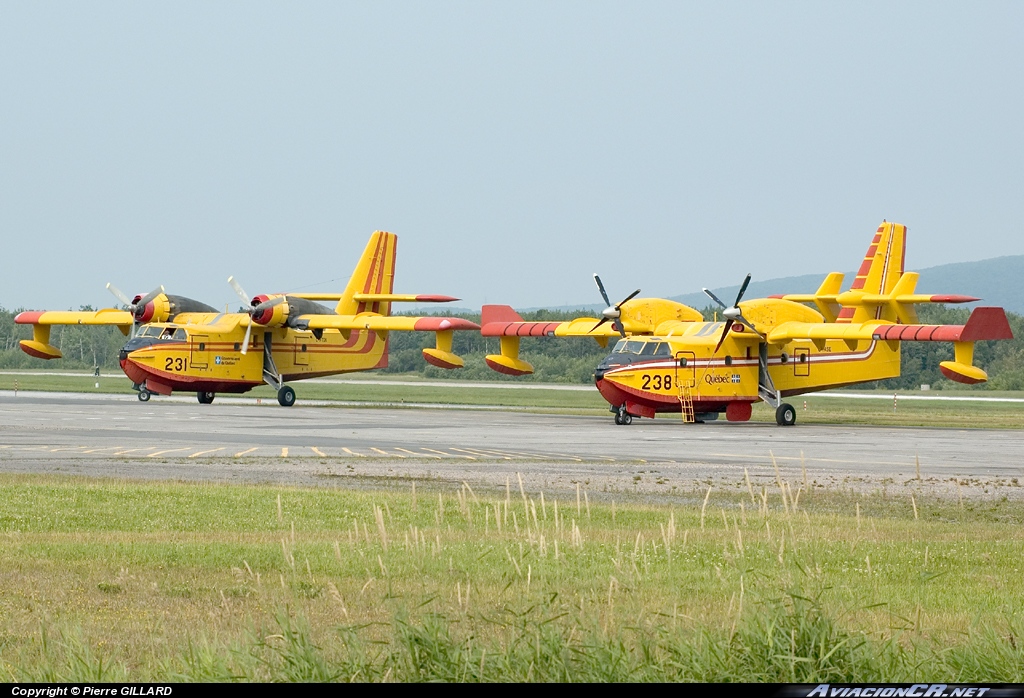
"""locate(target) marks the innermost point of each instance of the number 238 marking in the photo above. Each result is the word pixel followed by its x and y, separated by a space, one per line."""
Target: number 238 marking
pixel 175 364
pixel 657 382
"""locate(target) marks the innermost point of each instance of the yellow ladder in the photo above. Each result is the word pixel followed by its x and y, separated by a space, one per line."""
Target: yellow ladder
pixel 686 403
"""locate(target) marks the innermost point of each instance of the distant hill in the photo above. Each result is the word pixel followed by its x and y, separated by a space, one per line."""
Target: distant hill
pixel 998 281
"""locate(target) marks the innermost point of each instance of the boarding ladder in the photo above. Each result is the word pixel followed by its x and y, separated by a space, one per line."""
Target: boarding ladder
pixel 686 402
pixel 685 381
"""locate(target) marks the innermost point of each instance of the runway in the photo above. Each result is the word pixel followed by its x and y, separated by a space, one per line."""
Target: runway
pixel 119 436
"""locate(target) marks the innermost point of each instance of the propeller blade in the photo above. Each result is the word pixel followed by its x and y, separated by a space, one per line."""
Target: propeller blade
pixel 600 287
pixel 743 289
pixel 125 300
pixel 716 299
pixel 149 296
pixel 627 299
pixel 245 342
pixel 725 333
pixel 239 290
pixel 749 325
pixel 617 326
pixel 599 323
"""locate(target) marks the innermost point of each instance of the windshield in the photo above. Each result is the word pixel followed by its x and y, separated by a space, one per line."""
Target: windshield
pixel 620 346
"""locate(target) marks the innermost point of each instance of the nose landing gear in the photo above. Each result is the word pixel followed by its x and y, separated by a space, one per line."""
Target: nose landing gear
pixel 622 417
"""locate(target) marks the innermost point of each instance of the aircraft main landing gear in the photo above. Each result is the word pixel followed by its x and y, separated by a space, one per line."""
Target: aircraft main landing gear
pixel 286 396
pixel 205 398
pixel 785 415
pixel 622 417
pixel 144 395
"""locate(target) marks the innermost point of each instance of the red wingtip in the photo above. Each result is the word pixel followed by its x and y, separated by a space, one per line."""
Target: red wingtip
pixel 498 313
pixel 432 298
pixel 777 296
pixel 439 324
pixel 953 299
pixel 29 317
pixel 986 323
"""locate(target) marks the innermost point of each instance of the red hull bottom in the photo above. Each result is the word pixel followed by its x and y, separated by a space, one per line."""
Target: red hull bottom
pixel 164 384
pixel 639 406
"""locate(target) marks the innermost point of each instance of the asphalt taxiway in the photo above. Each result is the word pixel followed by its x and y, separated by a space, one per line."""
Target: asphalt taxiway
pixel 116 435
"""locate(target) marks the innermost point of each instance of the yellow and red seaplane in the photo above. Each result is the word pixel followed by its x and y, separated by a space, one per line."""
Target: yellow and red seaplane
pixel 177 343
pixel 668 359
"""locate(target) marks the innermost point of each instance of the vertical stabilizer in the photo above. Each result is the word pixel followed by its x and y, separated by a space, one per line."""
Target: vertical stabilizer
pixel 879 273
pixel 375 273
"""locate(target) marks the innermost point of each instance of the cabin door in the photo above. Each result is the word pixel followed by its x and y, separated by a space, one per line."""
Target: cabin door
pixel 200 358
pixel 686 369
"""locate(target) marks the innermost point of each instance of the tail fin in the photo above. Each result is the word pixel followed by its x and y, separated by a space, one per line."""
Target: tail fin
pixel 375 273
pixel 879 273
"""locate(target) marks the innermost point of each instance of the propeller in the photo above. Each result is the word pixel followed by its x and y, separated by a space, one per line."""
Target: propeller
pixel 732 313
pixel 612 312
pixel 136 307
pixel 252 310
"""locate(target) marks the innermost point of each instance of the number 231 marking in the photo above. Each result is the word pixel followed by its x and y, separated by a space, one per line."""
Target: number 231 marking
pixel 657 382
pixel 172 364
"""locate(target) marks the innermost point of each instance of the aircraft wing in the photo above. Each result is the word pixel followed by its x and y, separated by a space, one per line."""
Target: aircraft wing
pixel 386 323
pixel 41 321
pixel 106 316
pixel 502 321
pixel 440 355
pixel 983 324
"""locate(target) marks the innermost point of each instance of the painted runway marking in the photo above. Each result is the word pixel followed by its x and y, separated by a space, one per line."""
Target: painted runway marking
pixel 169 450
pixel 477 453
pixel 566 455
pixel 65 448
pixel 448 455
pixel 352 453
pixel 202 453
pixel 105 448
pixel 385 453
pixel 284 452
pixel 132 450
pixel 242 453
pixel 318 452
pixel 413 453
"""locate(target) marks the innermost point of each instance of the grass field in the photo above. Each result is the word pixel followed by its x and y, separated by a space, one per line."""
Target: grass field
pixel 820 410
pixel 118 580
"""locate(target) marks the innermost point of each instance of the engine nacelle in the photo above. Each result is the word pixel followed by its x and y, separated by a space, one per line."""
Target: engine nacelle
pixel 287 312
pixel 271 316
pixel 164 307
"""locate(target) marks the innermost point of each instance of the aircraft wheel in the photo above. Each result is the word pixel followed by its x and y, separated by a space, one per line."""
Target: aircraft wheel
pixel 622 417
pixel 205 398
pixel 785 415
pixel 286 396
pixel 144 395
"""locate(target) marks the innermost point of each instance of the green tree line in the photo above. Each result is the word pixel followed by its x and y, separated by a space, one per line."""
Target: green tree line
pixel 554 361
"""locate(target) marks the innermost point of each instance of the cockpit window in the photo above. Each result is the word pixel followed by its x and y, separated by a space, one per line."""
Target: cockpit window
pixel 146 331
pixel 633 347
pixel 649 348
pixel 620 346
pixel 179 334
pixel 663 349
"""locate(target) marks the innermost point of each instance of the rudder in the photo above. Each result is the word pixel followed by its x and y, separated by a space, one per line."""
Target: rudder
pixel 374 273
pixel 879 273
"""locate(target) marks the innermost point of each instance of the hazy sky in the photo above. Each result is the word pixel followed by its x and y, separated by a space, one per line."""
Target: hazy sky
pixel 515 148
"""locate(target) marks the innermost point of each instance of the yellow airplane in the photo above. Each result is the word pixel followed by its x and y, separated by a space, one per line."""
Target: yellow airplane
pixel 670 360
pixel 182 344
